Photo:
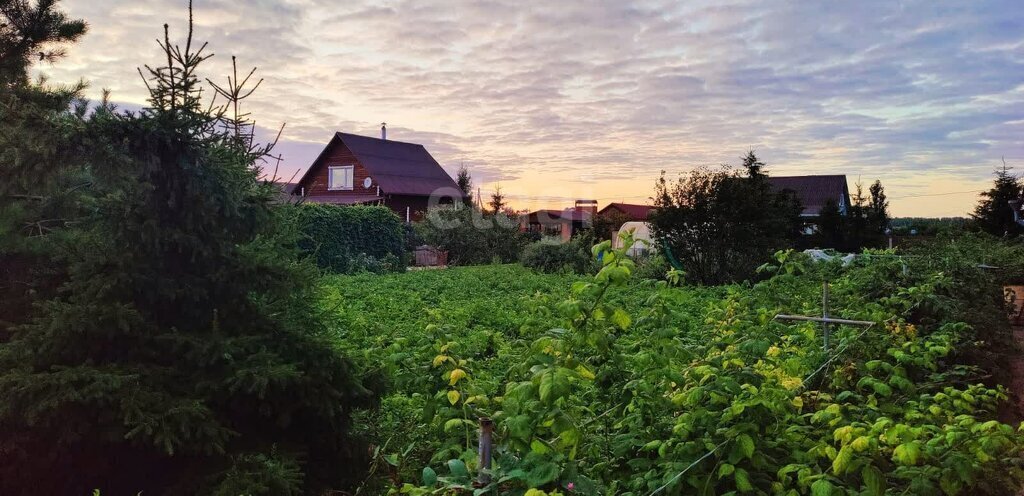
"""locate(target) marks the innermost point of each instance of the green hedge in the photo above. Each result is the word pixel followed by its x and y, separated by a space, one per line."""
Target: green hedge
pixel 348 239
pixel 572 256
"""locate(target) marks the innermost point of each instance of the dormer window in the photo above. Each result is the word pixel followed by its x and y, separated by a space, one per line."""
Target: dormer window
pixel 340 177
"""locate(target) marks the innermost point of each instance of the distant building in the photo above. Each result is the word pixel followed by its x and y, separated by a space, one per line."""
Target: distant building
pixel 815 191
pixel 353 170
pixel 561 223
pixel 631 211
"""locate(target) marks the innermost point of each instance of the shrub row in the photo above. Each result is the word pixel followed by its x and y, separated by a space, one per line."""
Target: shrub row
pixel 349 239
pixel 551 256
pixel 472 237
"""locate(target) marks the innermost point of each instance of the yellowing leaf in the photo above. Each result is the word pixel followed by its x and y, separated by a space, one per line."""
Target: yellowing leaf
pixel 843 434
pixel 456 375
pixel 584 372
pixel 842 461
pixel 439 359
pixel 453 397
pixel 907 453
pixel 621 319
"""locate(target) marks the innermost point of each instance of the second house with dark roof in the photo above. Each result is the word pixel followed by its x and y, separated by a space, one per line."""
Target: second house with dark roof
pixel 814 192
pixel 359 170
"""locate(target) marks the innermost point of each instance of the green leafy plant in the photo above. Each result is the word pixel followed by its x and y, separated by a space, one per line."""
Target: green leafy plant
pixel 629 387
pixel 350 239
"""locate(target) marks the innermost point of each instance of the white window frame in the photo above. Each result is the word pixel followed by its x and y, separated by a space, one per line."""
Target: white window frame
pixel 348 170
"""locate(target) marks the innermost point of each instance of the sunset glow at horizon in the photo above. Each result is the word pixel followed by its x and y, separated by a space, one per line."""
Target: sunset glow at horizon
pixel 559 101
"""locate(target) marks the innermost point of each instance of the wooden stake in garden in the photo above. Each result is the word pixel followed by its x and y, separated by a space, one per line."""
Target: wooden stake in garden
pixel 484 452
pixel 826 320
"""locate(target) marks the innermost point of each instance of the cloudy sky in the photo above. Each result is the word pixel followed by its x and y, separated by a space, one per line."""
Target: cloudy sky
pixel 563 100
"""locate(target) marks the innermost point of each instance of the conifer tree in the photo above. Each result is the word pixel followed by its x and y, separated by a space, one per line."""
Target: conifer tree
pixel 184 353
pixel 878 209
pixel 465 182
pixel 993 213
pixel 497 202
pixel 753 165
pixel 41 190
pixel 856 220
pixel 32 33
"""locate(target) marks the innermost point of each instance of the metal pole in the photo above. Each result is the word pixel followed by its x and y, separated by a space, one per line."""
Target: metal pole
pixel 484 454
pixel 824 312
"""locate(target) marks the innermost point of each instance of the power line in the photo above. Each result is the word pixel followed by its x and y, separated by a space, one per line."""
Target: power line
pixel 937 194
pixel 632 197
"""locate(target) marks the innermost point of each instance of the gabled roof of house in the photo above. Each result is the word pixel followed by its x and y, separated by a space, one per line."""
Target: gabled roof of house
pixel 549 214
pixel 814 191
pixel 397 167
pixel 634 211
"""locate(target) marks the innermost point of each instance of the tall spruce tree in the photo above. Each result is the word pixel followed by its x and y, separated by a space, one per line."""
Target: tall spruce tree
pixel 465 182
pixel 41 191
pixel 33 33
pixel 877 210
pixel 184 353
pixel 753 165
pixel 497 202
pixel 993 213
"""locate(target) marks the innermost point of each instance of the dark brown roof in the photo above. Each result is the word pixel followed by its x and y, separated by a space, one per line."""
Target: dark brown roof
pixel 634 211
pixel 552 215
pixel 286 188
pixel 285 191
pixel 397 167
pixel 814 191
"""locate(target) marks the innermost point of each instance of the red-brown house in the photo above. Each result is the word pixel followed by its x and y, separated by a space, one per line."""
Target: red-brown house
pixel 627 210
pixel 353 170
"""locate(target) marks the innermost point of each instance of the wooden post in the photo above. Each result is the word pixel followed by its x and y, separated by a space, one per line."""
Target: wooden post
pixel 824 312
pixel 825 320
pixel 484 454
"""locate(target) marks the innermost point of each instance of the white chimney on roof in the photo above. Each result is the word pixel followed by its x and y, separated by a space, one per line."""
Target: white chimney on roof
pixel 383 130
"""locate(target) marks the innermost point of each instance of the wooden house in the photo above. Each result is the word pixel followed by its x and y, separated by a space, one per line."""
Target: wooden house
pixel 631 211
pixel 360 170
pixel 815 191
pixel 560 223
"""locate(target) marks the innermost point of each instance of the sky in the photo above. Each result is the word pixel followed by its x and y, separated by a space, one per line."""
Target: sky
pixel 554 101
